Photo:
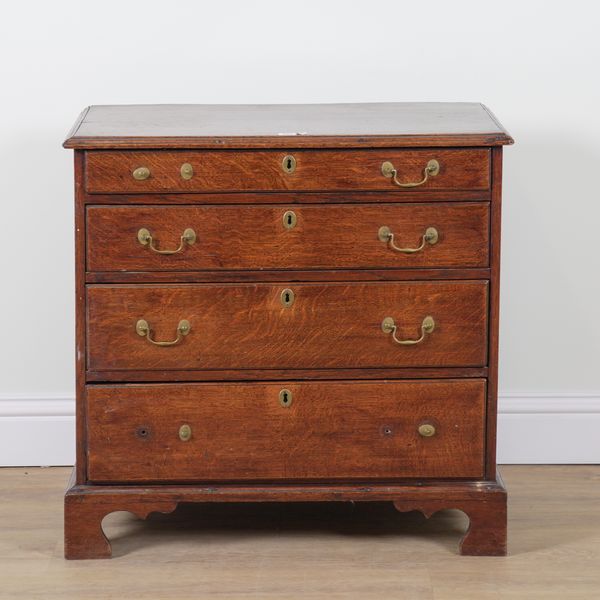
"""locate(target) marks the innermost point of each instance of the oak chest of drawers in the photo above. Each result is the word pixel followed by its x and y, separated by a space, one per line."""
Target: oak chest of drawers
pixel 287 303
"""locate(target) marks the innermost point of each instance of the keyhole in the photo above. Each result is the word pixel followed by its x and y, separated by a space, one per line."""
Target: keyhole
pixel 285 398
pixel 287 298
pixel 288 163
pixel 289 219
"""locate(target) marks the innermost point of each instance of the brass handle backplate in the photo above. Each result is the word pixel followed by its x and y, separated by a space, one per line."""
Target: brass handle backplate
pixel 389 326
pixel 187 171
pixel 431 170
pixel 143 329
pixel 426 430
pixel 141 173
pixel 187 237
pixel 185 433
pixel 431 236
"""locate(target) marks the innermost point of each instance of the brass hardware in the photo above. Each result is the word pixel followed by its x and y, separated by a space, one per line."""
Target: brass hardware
pixel 141 173
pixel 288 164
pixel 426 430
pixel 287 298
pixel 285 398
pixel 430 236
pixel 389 326
pixel 431 170
pixel 143 329
pixel 187 171
pixel 145 238
pixel 289 219
pixel 185 433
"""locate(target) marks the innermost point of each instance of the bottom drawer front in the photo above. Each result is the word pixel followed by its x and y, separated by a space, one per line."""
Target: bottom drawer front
pixel 289 430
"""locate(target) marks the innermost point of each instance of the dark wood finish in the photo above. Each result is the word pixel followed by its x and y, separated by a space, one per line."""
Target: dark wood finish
pixel 283 374
pixel 289 276
pixel 255 238
pixel 242 339
pixel 486 535
pixel 241 171
pixel 494 317
pixel 240 431
pixel 80 321
pixel 483 502
pixel 328 326
pixel 288 126
pixel 392 196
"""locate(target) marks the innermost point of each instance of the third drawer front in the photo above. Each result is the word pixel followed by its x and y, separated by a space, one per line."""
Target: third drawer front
pixel 153 238
pixel 289 430
pixel 302 326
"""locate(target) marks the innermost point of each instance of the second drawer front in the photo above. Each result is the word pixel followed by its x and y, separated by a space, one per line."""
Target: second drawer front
pixel 287 237
pixel 320 431
pixel 303 326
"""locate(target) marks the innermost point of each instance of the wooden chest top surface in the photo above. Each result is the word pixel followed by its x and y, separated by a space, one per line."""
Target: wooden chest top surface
pixel 287 125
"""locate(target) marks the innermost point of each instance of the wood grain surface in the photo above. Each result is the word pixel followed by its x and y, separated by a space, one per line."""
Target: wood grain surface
pixel 111 172
pixel 287 126
pixel 240 431
pixel 247 327
pixel 255 237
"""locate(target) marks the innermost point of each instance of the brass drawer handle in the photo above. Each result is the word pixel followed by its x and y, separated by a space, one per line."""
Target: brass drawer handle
pixel 143 329
pixel 431 236
pixel 145 238
pixel 431 170
pixel 389 326
pixel 141 173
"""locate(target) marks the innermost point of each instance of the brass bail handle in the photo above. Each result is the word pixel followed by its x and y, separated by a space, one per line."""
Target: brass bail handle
pixel 389 326
pixel 432 168
pixel 431 236
pixel 145 239
pixel 143 329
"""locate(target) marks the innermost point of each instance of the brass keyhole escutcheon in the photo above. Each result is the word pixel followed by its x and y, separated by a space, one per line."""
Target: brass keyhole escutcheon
pixel 288 164
pixel 426 430
pixel 185 433
pixel 285 398
pixel 289 219
pixel 287 298
pixel 187 171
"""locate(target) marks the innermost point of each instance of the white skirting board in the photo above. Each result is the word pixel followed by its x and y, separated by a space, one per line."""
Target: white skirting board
pixel 533 428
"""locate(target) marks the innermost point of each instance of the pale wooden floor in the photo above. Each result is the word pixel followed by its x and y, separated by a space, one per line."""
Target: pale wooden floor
pixel 308 551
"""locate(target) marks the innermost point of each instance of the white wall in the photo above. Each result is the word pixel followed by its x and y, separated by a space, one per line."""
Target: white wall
pixel 534 63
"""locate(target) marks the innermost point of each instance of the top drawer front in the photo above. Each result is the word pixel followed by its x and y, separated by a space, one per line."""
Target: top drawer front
pixel 310 170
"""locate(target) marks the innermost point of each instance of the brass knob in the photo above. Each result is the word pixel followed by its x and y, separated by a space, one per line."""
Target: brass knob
pixel 426 430
pixel 187 171
pixel 141 173
pixel 185 433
